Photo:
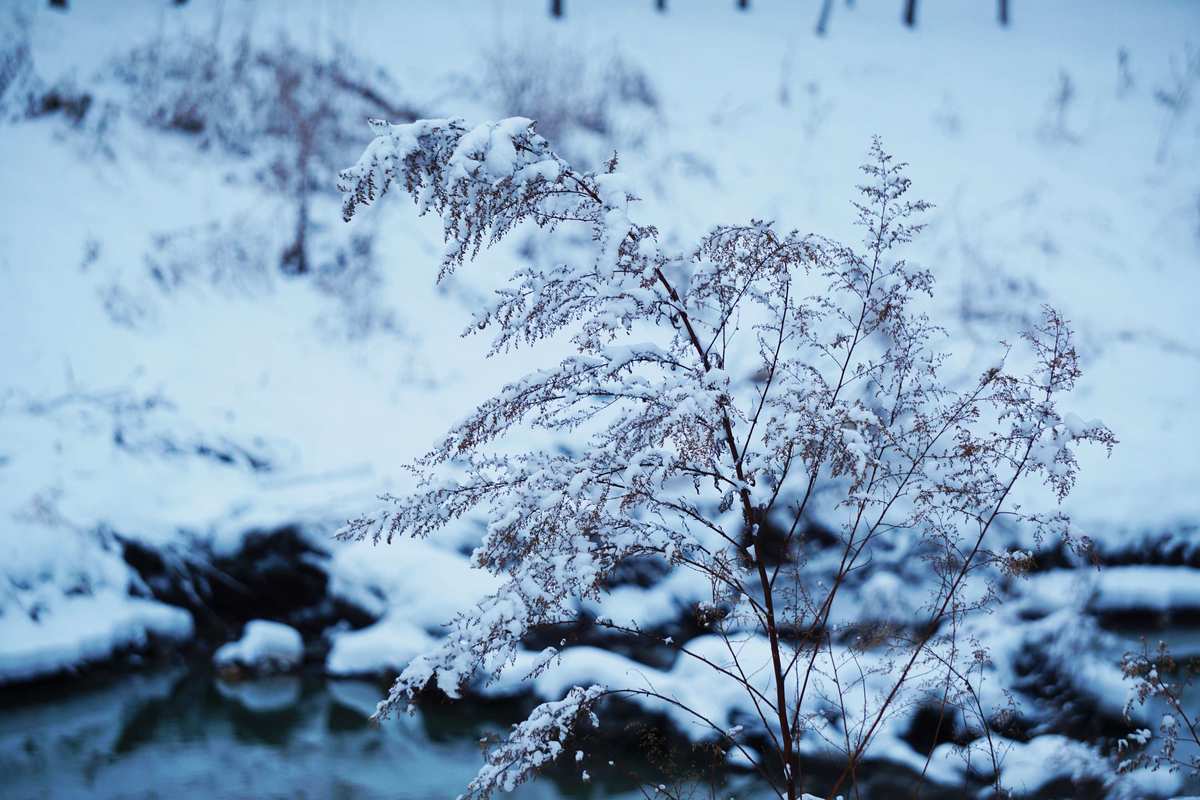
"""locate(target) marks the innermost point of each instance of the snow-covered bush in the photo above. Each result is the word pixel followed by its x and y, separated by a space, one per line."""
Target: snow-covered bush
pixel 1160 679
pixel 277 119
pixel 233 95
pixel 68 598
pixel 1176 95
pixel 293 113
pixel 240 257
pixel 573 95
pixel 232 257
pixel 720 395
pixel 26 94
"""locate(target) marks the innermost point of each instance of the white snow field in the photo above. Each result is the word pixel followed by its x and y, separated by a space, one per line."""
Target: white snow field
pixel 185 416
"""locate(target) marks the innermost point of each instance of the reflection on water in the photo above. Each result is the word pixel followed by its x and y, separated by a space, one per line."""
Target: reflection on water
pixel 184 734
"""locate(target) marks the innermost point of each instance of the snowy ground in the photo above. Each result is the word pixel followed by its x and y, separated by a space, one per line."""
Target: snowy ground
pixel 185 418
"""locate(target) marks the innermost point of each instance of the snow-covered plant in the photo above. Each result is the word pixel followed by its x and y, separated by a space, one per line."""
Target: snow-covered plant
pixel 1176 95
pixel 275 115
pixel 1056 127
pixel 236 95
pixel 574 95
pixel 1157 677
pixel 291 112
pixel 25 93
pixel 716 397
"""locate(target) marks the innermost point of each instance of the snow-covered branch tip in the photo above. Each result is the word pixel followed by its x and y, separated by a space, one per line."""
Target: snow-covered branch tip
pixel 534 743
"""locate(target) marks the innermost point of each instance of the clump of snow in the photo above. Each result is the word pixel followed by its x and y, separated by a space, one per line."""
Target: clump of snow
pixel 264 647
pixel 691 684
pixel 1116 589
pixel 66 592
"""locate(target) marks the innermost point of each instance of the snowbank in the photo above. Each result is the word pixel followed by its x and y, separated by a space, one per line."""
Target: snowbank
pixel 426 582
pixel 1146 588
pixel 653 606
pixel 414 586
pixel 81 630
pixel 385 647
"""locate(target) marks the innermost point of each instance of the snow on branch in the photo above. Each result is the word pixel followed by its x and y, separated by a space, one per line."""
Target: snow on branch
pixel 533 743
pixel 483 182
pixel 710 397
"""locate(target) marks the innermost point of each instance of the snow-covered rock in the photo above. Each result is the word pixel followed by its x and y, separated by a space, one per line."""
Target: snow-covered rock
pixel 264 647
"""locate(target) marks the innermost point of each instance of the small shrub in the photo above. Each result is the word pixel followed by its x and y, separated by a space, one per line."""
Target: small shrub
pixel 1056 126
pixel 573 95
pixel 1176 95
pixel 713 394
pixel 25 94
pixel 291 113
pixel 1158 678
